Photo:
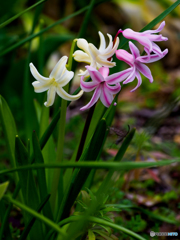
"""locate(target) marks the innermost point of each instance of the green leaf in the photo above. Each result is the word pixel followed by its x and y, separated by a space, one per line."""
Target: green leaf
pixel 9 128
pixel 91 235
pixel 103 234
pixel 91 152
pixel 19 14
pixel 116 166
pixel 102 222
pixel 38 109
pixel 5 229
pixel 3 187
pixel 28 186
pixel 41 176
pixel 32 36
pixel 33 219
pixel 37 216
pixel 97 115
pixel 125 145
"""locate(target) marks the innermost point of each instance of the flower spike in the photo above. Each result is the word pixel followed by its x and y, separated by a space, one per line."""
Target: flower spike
pixel 58 78
pixel 96 58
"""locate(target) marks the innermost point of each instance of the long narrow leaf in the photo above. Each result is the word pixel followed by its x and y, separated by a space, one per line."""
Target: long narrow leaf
pixel 9 129
pixel 78 179
pixel 19 14
pixel 33 219
pixel 29 189
pixel 102 222
pixel 36 215
pixel 125 166
pixel 41 176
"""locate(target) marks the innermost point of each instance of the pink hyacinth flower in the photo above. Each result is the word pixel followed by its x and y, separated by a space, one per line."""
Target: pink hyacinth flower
pixel 137 63
pixel 147 38
pixel 102 83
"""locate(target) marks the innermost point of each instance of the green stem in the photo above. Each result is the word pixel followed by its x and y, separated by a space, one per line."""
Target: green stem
pixel 85 131
pixel 62 124
pixel 60 145
pixel 37 215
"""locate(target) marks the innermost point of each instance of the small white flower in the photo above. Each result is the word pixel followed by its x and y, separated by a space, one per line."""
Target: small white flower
pixel 96 58
pixel 58 78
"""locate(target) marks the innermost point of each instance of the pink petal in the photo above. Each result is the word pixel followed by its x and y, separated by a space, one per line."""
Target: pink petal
pixel 113 89
pixel 156 48
pixel 105 97
pixel 125 56
pixel 94 98
pixel 152 57
pixel 118 77
pixel 145 42
pixel 104 71
pixel 95 75
pixel 87 86
pixel 159 29
pixel 131 76
pixel 139 81
pixel 157 38
pixel 145 71
pixel 134 50
pixel 140 37
pixel 128 33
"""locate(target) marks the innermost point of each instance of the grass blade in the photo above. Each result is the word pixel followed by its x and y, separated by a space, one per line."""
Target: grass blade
pixel 19 14
pixel 9 130
pixel 41 176
pixel 28 186
pixel 116 166
pixel 125 145
pixel 36 215
pixel 33 219
pixel 3 187
pixel 5 233
pixel 79 177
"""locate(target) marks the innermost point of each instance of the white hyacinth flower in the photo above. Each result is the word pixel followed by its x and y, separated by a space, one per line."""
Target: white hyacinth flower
pixel 58 78
pixel 96 58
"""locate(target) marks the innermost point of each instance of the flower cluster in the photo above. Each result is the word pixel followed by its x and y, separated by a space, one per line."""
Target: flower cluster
pixel 99 61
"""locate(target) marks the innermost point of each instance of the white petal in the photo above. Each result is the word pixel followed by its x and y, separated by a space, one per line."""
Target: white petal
pixel 36 74
pixel 50 96
pixel 63 94
pixel 83 44
pixel 65 78
pixel 93 51
pixel 110 46
pixel 105 63
pixel 58 69
pixel 40 87
pixel 102 42
pixel 81 56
